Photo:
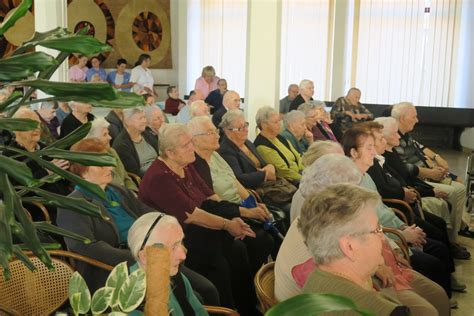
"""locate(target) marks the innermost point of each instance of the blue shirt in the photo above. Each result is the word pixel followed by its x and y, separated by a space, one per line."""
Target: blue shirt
pixel 126 79
pixel 92 71
pixel 183 115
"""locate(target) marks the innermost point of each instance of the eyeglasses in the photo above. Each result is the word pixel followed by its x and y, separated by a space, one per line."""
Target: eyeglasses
pixel 150 230
pixel 211 132
pixel 376 231
pixel 239 129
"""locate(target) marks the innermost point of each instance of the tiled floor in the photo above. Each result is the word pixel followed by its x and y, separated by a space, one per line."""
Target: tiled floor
pixel 464 268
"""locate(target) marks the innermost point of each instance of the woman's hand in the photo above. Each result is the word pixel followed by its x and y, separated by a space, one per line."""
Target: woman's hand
pixel 414 235
pixel 259 213
pixel 385 274
pixel 238 228
pixel 270 173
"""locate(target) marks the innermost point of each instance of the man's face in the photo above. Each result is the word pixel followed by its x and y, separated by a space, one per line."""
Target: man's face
pixel 353 97
pixel 308 90
pixel 409 119
pixel 171 236
pixel 232 100
pixel 121 68
pixel 292 92
pixel 222 85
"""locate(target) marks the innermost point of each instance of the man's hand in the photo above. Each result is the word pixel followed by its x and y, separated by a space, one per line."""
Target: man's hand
pixel 414 235
pixel 410 195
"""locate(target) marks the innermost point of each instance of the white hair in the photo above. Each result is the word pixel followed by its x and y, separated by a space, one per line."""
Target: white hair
pixel 294 116
pixel 195 125
pixel 399 109
pixel 389 124
pixel 149 110
pixel 169 134
pixel 139 229
pixel 328 170
pixel 311 105
pixel 264 114
pixel 129 112
pixel 229 118
pixel 304 83
pixel 97 126
pixel 318 149
pixel 195 107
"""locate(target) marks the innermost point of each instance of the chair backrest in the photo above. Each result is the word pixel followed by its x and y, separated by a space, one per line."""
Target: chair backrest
pixel 35 293
pixel 265 286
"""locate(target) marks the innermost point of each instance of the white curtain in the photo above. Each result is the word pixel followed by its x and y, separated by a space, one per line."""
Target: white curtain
pixel 304 44
pixel 217 36
pixel 405 51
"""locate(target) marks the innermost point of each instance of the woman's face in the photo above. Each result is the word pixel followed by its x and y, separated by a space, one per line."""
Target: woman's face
pixel 379 142
pixel 311 118
pixel 208 139
pixel 298 128
pixel 104 137
pixel 82 108
pixel 157 119
pixel 146 63
pixel 174 94
pixel 82 61
pixel 183 152
pixel 137 122
pixel 95 62
pixel 392 137
pixel 208 78
pixel 272 126
pixel 365 154
pixel 33 136
pixel 238 131
pixel 101 176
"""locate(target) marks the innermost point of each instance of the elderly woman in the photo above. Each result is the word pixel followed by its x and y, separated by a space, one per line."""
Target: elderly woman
pixel 173 103
pixel 100 130
pixel 77 73
pixel 80 115
pixel 157 228
pixel 316 120
pixel 343 234
pixel 296 132
pixel 305 94
pixel 155 119
pixel 136 149
pixel 274 148
pixel 207 82
pixel 348 110
pixel 173 185
pixel 141 76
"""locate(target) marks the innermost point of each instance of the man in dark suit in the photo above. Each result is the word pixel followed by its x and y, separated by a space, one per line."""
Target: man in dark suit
pixel 231 101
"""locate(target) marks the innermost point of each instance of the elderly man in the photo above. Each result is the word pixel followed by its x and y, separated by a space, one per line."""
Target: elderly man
pixel 199 108
pixel 184 115
pixel 348 110
pixel 216 97
pixel 286 101
pixel 429 165
pixel 305 94
pixel 231 101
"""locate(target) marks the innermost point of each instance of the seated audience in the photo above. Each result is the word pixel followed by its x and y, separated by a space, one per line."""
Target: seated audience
pixel 136 149
pixel 141 76
pixel 348 110
pixel 159 229
pixel 215 98
pixel 173 185
pixel 296 132
pixel 119 78
pixel 317 121
pixel 100 131
pixel 207 82
pixel 96 70
pixel 184 116
pixel 155 120
pixel 115 119
pixel 173 103
pixel 286 101
pixel 274 148
pixel 80 115
pixel 306 93
pixel 77 73
pixel 49 122
pixel 231 101
pixel 343 234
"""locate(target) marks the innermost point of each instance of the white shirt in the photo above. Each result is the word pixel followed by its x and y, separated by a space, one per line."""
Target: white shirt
pixel 142 78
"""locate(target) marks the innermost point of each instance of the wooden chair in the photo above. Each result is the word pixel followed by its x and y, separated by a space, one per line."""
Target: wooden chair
pixel 135 178
pixel 265 286
pixel 403 207
pixel 35 207
pixel 402 243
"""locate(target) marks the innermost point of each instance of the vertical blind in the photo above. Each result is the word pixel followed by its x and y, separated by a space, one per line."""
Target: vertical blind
pixel 405 51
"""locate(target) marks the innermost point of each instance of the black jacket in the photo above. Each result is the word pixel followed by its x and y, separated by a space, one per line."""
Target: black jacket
pixel 297 102
pixel 123 144
pixel 387 185
pixel 116 125
pixel 243 167
pixel 70 123
pixel 105 245
pixel 217 116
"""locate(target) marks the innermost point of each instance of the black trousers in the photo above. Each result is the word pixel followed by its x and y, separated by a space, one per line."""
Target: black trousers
pixel 205 291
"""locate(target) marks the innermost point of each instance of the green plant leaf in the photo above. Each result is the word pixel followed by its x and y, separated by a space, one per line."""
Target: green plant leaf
pixel 13 97
pixel 72 90
pixel 18 124
pixel 124 100
pixel 315 304
pixel 79 294
pixel 82 44
pixel 116 279
pixel 46 246
pixel 24 258
pixel 84 158
pixel 23 66
pixel 117 313
pixel 72 138
pixel 17 170
pixel 18 12
pixel 132 291
pixel 50 228
pixel 6 242
pixel 101 300
pixel 4 265
pixel 41 36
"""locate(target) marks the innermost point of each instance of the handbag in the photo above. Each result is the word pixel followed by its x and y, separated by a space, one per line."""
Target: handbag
pixel 277 192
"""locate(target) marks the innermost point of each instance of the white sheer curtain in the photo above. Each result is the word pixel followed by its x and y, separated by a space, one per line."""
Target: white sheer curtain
pixel 217 36
pixel 304 44
pixel 405 51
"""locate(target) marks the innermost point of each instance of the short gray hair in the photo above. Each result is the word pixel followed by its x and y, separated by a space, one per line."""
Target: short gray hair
pixel 311 105
pixel 195 106
pixel 389 123
pixel 399 109
pixel 150 109
pixel 97 127
pixel 195 125
pixel 293 116
pixel 327 170
pixel 304 83
pixel 139 229
pixel 129 112
pixel 229 118
pixel 168 136
pixel 264 114
pixel 331 214
pixel 318 149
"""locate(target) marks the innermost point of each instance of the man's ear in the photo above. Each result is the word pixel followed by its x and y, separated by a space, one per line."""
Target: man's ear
pixel 142 257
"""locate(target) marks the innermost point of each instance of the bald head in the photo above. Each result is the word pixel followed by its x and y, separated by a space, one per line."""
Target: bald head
pixel 231 100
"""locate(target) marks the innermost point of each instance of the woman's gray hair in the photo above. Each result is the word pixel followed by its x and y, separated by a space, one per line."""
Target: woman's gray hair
pixel 327 170
pixel 168 136
pixel 129 112
pixel 311 105
pixel 263 115
pixel 400 108
pixel 318 149
pixel 229 118
pixel 304 83
pixel 194 107
pixel 97 126
pixel 389 124
pixel 149 110
pixel 195 125
pixel 294 116
pixel 327 216
pixel 139 229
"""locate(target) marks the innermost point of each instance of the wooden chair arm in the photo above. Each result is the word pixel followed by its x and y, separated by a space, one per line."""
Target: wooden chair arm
pixel 42 208
pixel 135 178
pixel 404 206
pixel 220 310
pixel 402 243
pixel 255 194
pixel 401 215
pixel 9 311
